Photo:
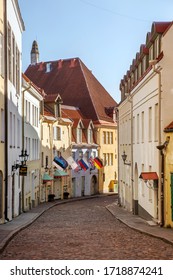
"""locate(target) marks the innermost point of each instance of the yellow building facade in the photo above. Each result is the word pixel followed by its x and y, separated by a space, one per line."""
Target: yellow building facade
pixel 106 135
pixel 55 141
pixel 2 126
pixel 168 177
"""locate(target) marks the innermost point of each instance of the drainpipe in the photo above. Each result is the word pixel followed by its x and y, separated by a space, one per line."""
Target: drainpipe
pixel 118 152
pixel 23 135
pixel 160 160
pixel 6 109
pixel 132 181
pixel 161 155
pixel 162 190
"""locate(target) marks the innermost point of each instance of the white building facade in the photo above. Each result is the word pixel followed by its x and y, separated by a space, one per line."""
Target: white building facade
pixel 32 100
pixel 15 27
pixel 144 111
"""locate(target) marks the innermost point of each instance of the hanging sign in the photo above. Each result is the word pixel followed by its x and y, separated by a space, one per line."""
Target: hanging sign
pixel 23 170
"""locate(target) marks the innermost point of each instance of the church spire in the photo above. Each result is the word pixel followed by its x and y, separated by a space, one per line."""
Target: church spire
pixel 34 53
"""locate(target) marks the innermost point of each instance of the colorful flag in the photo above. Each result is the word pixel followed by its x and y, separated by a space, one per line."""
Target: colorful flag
pixel 61 162
pixel 57 166
pixel 72 163
pixel 91 162
pixel 98 163
pixel 83 164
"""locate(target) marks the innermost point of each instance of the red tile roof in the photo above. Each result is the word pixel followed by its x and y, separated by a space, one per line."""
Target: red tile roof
pixel 39 90
pixel 76 85
pixel 169 128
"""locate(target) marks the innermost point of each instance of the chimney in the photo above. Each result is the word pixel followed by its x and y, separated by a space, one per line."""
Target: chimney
pixel 60 62
pixel 34 53
pixel 72 62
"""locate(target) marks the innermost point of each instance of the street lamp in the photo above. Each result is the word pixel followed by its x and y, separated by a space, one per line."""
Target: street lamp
pixel 124 157
pixel 23 159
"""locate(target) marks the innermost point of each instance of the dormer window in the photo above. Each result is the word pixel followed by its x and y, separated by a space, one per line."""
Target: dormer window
pixel 79 133
pixel 48 67
pixel 90 135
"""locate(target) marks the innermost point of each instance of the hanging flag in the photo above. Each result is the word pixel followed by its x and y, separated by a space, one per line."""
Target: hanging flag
pixel 57 166
pixel 91 162
pixel 72 163
pixel 61 162
pixel 98 163
pixel 83 164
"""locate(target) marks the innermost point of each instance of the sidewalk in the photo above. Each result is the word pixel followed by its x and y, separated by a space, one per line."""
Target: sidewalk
pixel 139 224
pixel 8 230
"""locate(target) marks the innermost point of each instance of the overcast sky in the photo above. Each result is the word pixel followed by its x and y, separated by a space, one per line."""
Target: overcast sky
pixel 104 34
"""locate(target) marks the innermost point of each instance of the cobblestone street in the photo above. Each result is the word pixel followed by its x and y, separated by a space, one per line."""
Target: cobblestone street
pixel 84 230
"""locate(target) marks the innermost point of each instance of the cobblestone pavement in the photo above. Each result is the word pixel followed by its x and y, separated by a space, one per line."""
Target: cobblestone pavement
pixel 84 230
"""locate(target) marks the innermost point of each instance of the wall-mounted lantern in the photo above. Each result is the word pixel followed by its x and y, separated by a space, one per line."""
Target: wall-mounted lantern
pixel 23 159
pixel 124 157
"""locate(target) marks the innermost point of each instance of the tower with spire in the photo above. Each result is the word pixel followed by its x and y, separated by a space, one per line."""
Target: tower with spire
pixel 34 53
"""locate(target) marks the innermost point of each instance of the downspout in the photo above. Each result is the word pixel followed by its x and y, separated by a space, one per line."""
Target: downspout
pixel 132 181
pixel 162 190
pixel 6 109
pixel 161 157
pixel 118 142
pixel 23 135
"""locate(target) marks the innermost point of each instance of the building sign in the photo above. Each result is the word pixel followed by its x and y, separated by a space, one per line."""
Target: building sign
pixel 23 170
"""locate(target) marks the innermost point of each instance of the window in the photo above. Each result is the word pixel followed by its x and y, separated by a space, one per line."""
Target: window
pixel 47 161
pixel 104 159
pixel 156 123
pixel 11 131
pixel 13 60
pixel 2 126
pixel 1 56
pixel 104 137
pixel 90 135
pixel 139 70
pixel 150 124
pixel 151 53
pixel 57 133
pixel 17 71
pixel 79 134
pixel 133 130
pixel 107 159
pixel 18 133
pixel 136 74
pixel 9 54
pixel 80 154
pixel 144 64
pixel 107 137
pixel 42 159
pixel 142 127
pixel 111 137
pixel 138 128
pixel 157 46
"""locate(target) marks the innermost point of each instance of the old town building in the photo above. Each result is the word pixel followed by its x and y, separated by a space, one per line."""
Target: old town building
pixel 32 100
pixel 2 114
pixel 13 26
pixel 78 87
pixel 144 112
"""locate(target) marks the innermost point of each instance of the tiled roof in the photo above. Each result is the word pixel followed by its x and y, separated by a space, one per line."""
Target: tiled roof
pixel 76 85
pixel 40 91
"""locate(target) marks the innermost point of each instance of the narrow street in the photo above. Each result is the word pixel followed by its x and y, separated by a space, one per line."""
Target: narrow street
pixel 84 230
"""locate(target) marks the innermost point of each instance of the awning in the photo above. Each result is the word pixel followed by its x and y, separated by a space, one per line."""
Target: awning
pixel 148 176
pixel 46 178
pixel 59 173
